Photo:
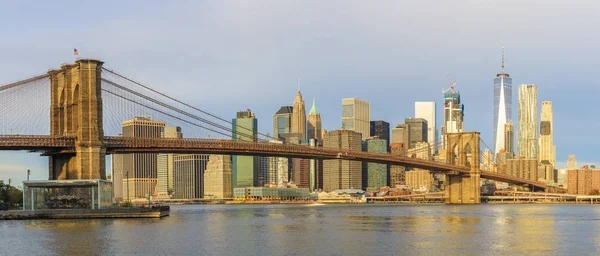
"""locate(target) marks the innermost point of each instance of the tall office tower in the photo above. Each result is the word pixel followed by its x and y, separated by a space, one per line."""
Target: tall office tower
pixel 401 134
pixel 278 169
pixel 342 174
pixel 165 163
pixel 527 135
pixel 381 129
pixel 397 172
pixel 547 150
pixel 356 116
pixel 244 168
pixel 116 170
pixel 301 172
pixel 376 173
pixel 299 116
pixel 262 171
pixel 314 123
pixel 426 110
pixel 140 169
pixel 188 182
pixel 502 106
pixel 418 130
pixel 509 138
pixel 316 168
pixel 487 160
pixel 418 178
pixel 454 112
pixel 282 121
pixel 217 177
pixel 571 163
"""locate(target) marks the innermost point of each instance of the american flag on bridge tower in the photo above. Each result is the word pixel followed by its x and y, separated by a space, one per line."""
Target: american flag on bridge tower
pixel 75 52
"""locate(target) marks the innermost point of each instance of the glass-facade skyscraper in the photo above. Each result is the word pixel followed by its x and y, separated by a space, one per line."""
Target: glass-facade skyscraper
pixel 502 106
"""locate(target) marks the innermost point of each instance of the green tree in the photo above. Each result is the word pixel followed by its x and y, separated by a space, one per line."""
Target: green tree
pixel 11 194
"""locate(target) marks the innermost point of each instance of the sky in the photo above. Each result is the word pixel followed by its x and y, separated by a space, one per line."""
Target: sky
pixel 227 56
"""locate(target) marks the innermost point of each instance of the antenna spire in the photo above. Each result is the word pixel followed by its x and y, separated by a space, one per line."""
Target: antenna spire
pixel 298 83
pixel 502 58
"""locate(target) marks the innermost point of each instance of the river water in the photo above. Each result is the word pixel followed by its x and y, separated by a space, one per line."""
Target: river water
pixel 319 230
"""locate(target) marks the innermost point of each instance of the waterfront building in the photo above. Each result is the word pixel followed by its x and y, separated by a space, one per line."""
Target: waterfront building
pixel 547 149
pixel 244 168
pixel 217 177
pixel 270 193
pixel 418 130
pixel 139 170
pixel 502 107
pixel 116 161
pixel 381 129
pixel 426 110
pixel 562 178
pixel 401 134
pixel 527 135
pixel 299 116
pixel 314 123
pixel 262 171
pixel 165 165
pixel 376 173
pixel 301 172
pixel 583 181
pixel 188 182
pixel 356 116
pixel 278 169
pixel 453 114
pixel 282 121
pixel 571 163
pixel 342 174
pixel 520 167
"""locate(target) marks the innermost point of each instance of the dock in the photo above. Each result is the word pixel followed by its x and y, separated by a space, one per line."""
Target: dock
pixel 154 212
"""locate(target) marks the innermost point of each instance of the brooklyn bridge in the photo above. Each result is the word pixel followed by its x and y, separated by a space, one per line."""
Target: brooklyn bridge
pixel 73 115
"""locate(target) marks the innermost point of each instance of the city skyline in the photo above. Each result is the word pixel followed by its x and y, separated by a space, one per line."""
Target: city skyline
pixel 363 78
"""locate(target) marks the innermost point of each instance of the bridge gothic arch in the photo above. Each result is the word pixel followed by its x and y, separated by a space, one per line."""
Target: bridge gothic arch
pixel 463 188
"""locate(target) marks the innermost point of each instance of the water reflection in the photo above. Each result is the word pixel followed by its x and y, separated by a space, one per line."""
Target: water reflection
pixel 323 230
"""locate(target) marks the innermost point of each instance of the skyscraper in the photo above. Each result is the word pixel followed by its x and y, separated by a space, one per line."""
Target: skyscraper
pixel 381 129
pixel 165 164
pixel 188 181
pixel 547 149
pixel 314 123
pixel 376 173
pixel 299 116
pixel 401 134
pixel 502 106
pixel 356 116
pixel 140 169
pixel 571 163
pixel 342 174
pixel 282 121
pixel 453 114
pixel 217 177
pixel 418 130
pixel 509 138
pixel 527 135
pixel 244 168
pixel 426 110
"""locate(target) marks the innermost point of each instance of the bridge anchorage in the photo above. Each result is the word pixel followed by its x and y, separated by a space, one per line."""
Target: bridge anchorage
pixel 77 145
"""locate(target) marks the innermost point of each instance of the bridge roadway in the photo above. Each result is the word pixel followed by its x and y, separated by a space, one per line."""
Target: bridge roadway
pixel 114 145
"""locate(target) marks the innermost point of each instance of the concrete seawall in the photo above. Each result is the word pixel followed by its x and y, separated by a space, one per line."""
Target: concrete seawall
pixel 155 212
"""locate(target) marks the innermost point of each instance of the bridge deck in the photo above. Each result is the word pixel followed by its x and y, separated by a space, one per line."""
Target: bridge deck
pixel 203 146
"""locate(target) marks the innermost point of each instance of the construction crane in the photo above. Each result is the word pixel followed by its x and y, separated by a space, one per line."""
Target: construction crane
pixel 451 88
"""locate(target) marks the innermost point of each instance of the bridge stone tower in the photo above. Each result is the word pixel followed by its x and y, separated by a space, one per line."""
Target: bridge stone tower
pixel 76 111
pixel 462 188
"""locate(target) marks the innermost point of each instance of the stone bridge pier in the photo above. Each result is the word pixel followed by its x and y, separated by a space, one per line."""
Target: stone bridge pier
pixel 463 149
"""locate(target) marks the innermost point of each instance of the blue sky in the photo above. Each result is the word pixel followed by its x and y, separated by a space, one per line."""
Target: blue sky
pixel 225 56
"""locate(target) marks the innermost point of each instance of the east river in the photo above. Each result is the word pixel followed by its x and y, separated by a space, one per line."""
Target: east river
pixel 319 230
